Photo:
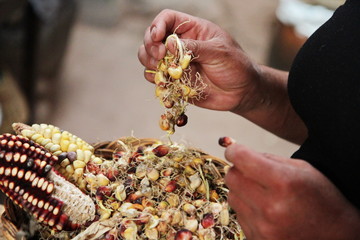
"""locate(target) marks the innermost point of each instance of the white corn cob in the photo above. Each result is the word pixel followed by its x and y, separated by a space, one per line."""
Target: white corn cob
pixel 77 152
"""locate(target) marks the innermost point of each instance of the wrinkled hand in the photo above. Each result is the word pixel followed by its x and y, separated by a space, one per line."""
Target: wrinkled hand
pixel 277 198
pixel 225 68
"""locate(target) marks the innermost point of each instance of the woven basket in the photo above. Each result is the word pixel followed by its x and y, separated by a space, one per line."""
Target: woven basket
pixel 16 223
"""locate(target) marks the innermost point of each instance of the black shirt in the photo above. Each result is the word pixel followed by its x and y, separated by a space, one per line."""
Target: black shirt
pixel 324 88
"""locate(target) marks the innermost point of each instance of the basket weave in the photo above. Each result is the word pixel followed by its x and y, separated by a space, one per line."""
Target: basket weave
pixel 16 222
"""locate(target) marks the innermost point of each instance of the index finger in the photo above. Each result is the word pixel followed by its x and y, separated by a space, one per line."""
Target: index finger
pixel 167 21
pixel 253 165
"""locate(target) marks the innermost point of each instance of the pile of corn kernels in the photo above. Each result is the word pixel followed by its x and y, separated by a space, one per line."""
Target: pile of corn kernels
pixel 144 189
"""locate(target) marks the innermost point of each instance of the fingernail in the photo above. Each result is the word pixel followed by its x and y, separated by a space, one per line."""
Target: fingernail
pixel 226 141
pixel 153 32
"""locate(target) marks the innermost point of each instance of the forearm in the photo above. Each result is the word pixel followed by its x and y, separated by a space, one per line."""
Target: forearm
pixel 271 108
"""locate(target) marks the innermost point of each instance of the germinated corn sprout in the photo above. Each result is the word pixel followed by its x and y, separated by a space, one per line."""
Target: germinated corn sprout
pixel 174 86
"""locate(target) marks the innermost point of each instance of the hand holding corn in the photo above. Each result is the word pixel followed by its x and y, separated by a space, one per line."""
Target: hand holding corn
pixel 220 62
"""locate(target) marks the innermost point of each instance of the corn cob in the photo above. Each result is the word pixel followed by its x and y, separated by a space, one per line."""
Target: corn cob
pixel 73 152
pixel 27 177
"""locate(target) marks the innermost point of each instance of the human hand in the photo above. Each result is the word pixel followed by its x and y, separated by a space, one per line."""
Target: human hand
pixel 280 198
pixel 230 75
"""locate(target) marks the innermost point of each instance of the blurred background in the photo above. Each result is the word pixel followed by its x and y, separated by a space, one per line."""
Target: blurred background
pixel 73 64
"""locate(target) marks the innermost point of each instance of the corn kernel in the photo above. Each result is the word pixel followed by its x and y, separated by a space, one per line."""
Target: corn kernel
pixel 64 145
pixel 189 170
pixel 70 169
pixel 47 133
pixel 27 133
pixel 224 217
pixel 214 196
pixel 153 174
pixel 45 141
pixel 189 208
pixel 191 224
pixel 57 153
pixel 102 180
pixel 87 155
pixel 79 164
pixel 130 233
pixel 56 137
pixel 97 160
pixel 152 234
pixel 201 189
pixel 65 162
pixel 80 155
pixel 54 148
pixel 39 140
pixel 198 161
pixel 72 147
pixel 49 145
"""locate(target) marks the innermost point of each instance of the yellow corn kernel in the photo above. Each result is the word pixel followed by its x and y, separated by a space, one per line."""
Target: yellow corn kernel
pixel 79 172
pixel 70 169
pixel 153 174
pixel 189 170
pixel 185 90
pixel 189 208
pixel 175 72
pixel 56 138
pixel 80 155
pixel 47 133
pixel 115 205
pixel 36 127
pixel 87 155
pixel 159 77
pixel 152 233
pixel 224 217
pixel 65 162
pixel 214 196
pixel 64 145
pixel 97 160
pixel 185 61
pixel 39 140
pixel 72 147
pixel 198 161
pixel 163 205
pixel 191 224
pixel 45 141
pixel 65 135
pixel 130 233
pixel 79 164
pixel 177 218
pixel 27 133
pixel 120 193
pixel 48 146
pixel 91 179
pixel 201 189
pixel 102 180
pixel 173 200
pixel 54 148
pixel 57 153
pixel 35 136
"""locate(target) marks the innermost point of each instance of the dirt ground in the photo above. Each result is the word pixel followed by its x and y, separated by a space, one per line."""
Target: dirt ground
pixel 104 95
